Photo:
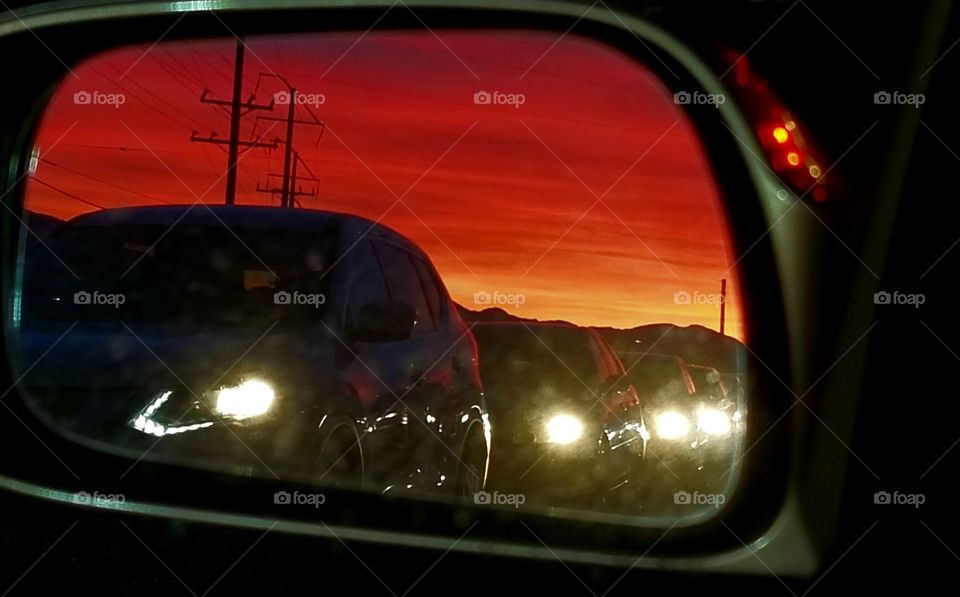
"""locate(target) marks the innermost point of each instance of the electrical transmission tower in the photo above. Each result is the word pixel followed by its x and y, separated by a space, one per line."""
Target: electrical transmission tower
pixel 292 191
pixel 237 108
pixel 288 178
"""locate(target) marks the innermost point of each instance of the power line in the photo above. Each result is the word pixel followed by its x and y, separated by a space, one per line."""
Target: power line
pixel 148 104
pixel 178 77
pixel 157 96
pixel 68 194
pixel 102 181
pixel 191 75
pixel 185 82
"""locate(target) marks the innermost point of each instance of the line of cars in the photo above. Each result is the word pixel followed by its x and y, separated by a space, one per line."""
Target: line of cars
pixel 576 422
pixel 325 347
pixel 698 419
pixel 567 423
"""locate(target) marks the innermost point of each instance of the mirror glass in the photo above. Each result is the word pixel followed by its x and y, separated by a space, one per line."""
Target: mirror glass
pixel 490 266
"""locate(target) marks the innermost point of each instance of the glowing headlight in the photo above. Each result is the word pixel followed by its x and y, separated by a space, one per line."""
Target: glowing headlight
pixel 251 398
pixel 564 429
pixel 671 425
pixel 713 421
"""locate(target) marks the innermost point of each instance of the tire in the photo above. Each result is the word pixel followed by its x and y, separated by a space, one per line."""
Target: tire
pixel 471 469
pixel 339 459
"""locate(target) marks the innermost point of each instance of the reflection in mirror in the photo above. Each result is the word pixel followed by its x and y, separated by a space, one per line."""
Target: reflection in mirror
pixel 494 269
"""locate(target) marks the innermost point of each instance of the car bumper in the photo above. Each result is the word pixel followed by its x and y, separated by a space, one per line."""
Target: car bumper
pixel 559 471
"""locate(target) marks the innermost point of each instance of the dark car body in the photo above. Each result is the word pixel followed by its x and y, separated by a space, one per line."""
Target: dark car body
pixel 714 392
pixel 534 372
pixel 661 380
pixel 371 373
pixel 694 417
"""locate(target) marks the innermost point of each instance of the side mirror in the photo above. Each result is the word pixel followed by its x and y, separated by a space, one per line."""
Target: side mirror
pixel 383 322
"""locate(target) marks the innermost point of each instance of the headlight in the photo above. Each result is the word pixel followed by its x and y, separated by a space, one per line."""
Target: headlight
pixel 713 421
pixel 671 425
pixel 251 398
pixel 147 423
pixel 564 429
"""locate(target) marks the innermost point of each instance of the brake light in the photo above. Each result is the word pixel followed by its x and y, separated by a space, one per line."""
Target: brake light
pixel 790 153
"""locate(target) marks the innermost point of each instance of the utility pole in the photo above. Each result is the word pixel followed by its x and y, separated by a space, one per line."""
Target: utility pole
pixel 288 190
pixel 292 191
pixel 288 150
pixel 723 303
pixel 237 109
pixel 231 194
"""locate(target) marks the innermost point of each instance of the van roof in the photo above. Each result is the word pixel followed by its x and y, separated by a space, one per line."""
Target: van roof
pixel 255 217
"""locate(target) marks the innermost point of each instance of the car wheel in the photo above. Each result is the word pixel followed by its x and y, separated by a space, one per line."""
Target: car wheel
pixel 340 458
pixel 472 465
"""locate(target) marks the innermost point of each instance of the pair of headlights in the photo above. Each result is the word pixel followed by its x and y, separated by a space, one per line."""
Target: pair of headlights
pixel 674 425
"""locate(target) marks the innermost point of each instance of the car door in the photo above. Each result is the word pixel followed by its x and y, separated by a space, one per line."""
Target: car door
pixel 378 371
pixel 427 374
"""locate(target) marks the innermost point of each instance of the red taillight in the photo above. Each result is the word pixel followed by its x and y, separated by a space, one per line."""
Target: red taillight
pixel 791 155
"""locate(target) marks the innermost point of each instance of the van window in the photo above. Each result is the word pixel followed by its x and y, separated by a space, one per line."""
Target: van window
pixel 404 285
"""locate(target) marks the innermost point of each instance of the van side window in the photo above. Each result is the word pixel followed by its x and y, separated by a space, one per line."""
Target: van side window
pixel 429 284
pixel 366 282
pixel 404 285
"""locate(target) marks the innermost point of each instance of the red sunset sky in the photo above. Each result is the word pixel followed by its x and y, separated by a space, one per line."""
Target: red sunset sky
pixel 501 198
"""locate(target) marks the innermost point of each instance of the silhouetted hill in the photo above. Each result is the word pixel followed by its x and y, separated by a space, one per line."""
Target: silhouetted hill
pixel 695 344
